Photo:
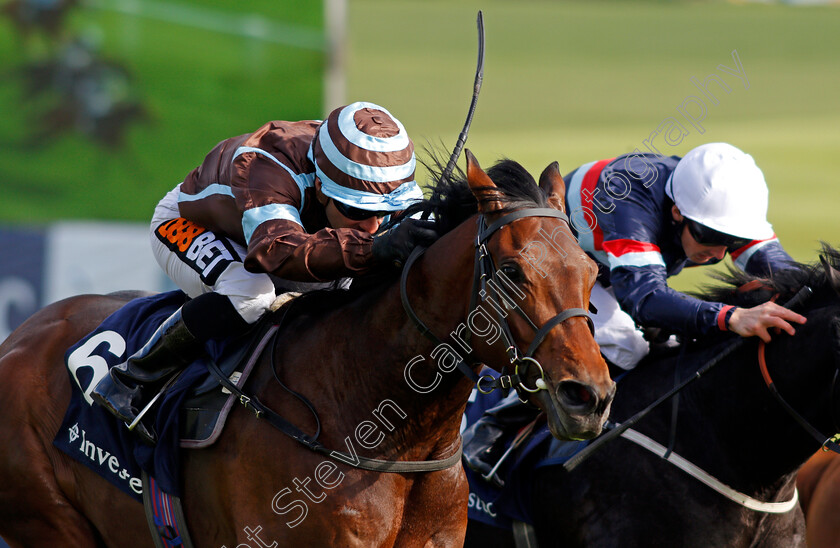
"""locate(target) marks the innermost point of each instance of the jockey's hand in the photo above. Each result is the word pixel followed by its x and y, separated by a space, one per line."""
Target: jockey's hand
pixel 396 244
pixel 757 321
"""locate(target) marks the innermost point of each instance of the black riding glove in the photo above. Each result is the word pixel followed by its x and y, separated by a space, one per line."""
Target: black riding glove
pixel 396 244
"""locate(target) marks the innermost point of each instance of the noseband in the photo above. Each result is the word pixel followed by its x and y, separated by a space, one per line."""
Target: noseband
pixel 485 275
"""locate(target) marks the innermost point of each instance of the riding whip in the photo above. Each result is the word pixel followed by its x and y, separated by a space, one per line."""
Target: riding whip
pixel 479 76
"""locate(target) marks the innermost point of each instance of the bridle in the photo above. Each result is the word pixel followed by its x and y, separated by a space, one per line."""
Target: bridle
pixel 485 276
pixel 827 443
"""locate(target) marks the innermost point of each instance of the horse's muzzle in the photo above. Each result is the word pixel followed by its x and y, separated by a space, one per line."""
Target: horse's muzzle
pixel 576 410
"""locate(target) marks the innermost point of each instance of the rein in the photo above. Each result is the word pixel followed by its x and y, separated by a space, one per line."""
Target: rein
pixel 253 404
pixel 826 443
pixel 486 276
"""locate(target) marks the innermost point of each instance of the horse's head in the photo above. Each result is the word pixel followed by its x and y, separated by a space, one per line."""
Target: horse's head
pixel 536 280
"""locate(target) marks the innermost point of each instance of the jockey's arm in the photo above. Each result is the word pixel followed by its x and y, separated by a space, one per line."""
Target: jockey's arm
pixel 285 249
pixel 651 303
pixel 762 257
pixel 271 203
pixel 643 293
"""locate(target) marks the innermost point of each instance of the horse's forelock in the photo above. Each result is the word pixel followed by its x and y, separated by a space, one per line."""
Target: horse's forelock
pixel 518 186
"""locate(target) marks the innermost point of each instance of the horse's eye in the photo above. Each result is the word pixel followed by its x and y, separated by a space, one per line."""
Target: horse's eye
pixel 513 272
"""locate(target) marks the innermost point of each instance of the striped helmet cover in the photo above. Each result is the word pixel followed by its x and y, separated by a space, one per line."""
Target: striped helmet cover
pixel 365 159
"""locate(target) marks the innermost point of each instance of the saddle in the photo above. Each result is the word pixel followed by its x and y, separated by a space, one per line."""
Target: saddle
pixel 190 413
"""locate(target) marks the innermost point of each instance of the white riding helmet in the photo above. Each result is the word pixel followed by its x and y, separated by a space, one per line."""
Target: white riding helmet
pixel 719 186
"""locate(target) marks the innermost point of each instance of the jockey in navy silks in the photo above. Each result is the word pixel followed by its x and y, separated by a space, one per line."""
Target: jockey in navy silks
pixel 643 218
pixel 299 201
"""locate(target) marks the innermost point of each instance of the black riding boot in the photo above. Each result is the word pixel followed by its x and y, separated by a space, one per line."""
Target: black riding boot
pixel 484 440
pixel 171 348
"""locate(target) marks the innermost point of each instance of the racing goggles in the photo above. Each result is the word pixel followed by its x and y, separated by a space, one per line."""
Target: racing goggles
pixel 358 214
pixel 704 235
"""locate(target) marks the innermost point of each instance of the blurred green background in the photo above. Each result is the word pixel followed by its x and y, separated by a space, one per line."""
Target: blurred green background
pixel 564 81
pixel 203 70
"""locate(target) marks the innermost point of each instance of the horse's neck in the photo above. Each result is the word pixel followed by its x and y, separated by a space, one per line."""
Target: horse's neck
pixel 438 290
pixel 387 365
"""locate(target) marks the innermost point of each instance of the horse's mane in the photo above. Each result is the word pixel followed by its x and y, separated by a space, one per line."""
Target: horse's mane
pixel 784 283
pixel 449 202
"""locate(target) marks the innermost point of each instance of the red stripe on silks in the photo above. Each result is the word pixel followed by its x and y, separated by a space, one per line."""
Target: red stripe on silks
pixel 590 181
pixel 737 253
pixel 154 496
pixel 617 248
pixel 721 317
pixel 163 509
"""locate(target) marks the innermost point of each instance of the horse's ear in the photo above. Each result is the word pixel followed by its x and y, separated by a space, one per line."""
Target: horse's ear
pixel 552 184
pixel 482 186
pixel 831 273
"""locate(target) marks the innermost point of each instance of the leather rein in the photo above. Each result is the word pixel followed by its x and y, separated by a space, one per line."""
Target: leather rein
pixel 485 276
pixel 827 443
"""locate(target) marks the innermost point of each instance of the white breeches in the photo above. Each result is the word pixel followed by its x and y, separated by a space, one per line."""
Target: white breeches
pixel 200 261
pixel 620 340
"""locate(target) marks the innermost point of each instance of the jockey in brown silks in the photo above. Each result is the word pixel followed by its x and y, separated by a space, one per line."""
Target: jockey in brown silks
pixel 300 201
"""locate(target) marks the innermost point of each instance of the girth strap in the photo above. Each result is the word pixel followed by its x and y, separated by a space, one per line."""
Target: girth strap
pixel 165 516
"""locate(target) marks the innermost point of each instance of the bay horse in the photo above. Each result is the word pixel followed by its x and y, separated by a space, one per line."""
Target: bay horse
pixel 819 494
pixel 728 424
pixel 358 361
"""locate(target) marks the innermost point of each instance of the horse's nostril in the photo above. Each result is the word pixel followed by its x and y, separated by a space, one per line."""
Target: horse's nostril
pixel 576 394
pixel 584 394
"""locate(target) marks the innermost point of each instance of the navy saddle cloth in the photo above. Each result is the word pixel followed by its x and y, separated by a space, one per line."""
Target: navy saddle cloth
pixel 94 437
pixel 499 507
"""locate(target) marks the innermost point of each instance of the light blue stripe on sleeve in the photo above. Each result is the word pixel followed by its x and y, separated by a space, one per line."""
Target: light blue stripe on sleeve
pixel 253 218
pixel 302 180
pixel 215 188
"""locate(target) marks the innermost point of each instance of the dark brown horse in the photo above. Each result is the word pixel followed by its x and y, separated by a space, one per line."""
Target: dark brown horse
pixel 379 386
pixel 819 494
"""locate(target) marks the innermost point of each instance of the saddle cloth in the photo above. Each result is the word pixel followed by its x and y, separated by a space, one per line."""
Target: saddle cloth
pixel 491 505
pixel 189 414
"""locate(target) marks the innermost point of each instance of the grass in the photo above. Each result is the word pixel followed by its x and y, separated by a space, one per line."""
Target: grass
pixel 578 81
